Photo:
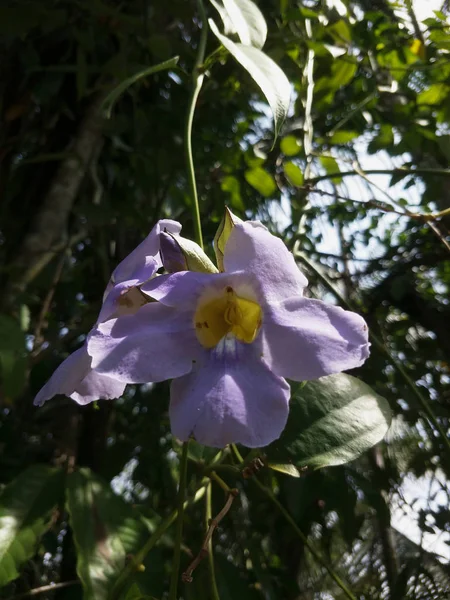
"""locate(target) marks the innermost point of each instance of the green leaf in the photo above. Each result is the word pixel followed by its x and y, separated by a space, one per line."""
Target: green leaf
pixel 134 593
pixel 11 335
pixel 261 180
pixel 332 420
pixel 290 145
pixel 106 529
pixel 247 21
pixel 231 185
pixel 343 137
pixel 287 469
pixel 340 32
pixel 342 72
pixel 114 95
pixel 265 72
pixel 25 514
pixel 331 166
pixel 293 173
pixel 434 95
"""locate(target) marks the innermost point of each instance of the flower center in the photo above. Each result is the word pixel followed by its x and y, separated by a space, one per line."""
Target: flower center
pixel 227 313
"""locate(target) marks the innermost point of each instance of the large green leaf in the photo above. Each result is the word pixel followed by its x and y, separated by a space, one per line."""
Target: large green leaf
pixel 247 21
pixel 25 510
pixel 115 94
pixel 106 529
pixel 332 421
pixel 265 72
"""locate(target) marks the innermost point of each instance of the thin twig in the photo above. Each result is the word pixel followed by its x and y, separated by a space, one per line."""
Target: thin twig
pixel 212 571
pixel 197 82
pixel 45 588
pixel 47 302
pixel 397 171
pixel 187 575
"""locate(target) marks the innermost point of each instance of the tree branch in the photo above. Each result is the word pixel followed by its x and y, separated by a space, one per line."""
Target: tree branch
pixel 50 224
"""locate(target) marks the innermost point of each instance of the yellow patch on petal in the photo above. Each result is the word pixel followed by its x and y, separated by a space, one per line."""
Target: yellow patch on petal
pixel 227 313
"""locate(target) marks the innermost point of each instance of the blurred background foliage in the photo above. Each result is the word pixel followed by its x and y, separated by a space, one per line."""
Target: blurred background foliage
pixel 361 162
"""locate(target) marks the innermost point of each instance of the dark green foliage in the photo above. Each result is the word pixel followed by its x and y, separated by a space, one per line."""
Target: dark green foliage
pixel 78 193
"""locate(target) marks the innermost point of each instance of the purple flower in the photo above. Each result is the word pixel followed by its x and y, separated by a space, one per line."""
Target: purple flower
pixel 75 377
pixel 229 339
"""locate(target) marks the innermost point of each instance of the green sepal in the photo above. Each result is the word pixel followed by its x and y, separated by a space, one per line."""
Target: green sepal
pixel 180 254
pixel 222 234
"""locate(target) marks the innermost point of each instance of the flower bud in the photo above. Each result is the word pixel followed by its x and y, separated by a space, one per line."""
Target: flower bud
pixel 180 254
pixel 223 233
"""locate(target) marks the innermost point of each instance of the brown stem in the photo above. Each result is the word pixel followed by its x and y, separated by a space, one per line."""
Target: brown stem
pixel 203 553
pixel 47 302
pixel 45 588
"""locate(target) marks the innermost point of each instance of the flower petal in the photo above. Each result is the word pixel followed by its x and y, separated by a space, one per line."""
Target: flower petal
pixel 155 344
pixel 306 339
pixel 122 299
pixel 180 289
pixel 230 399
pixel 136 265
pixel 251 247
pixel 183 289
pixel 96 386
pixel 74 378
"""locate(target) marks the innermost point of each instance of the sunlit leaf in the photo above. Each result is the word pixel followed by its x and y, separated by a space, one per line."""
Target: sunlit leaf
pixel 25 514
pixel 248 22
pixel 343 137
pixel 290 145
pixel 332 420
pixel 293 173
pixel 435 94
pixel 287 469
pixel 231 185
pixel 331 167
pixel 261 180
pixel 265 72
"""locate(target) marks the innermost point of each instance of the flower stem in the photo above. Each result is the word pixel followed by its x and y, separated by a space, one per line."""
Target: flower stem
pixel 179 531
pixel 197 82
pixel 269 494
pixel 213 476
pixel 212 573
pixel 396 171
pixel 139 557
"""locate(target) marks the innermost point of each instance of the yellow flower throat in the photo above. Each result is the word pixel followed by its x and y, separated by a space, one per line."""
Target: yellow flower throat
pixel 227 313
